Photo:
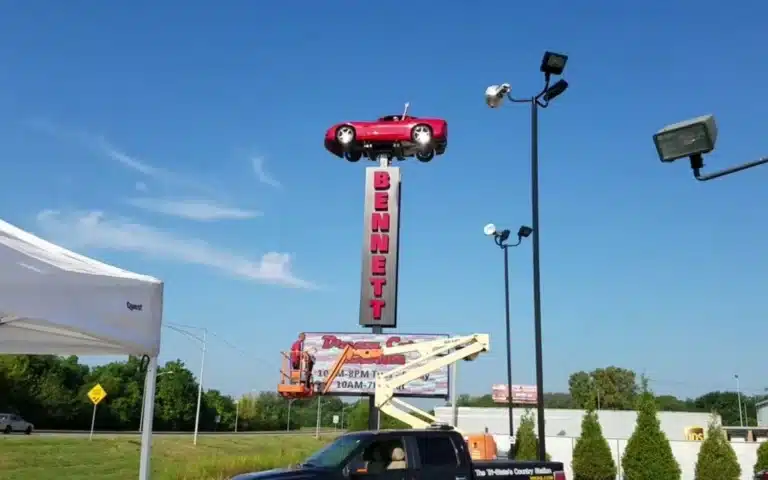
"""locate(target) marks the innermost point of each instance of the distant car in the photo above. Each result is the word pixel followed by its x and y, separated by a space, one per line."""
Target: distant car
pixel 400 136
pixel 10 423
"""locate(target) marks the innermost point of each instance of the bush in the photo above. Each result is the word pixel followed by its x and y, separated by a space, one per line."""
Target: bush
pixel 648 454
pixel 526 442
pixel 592 457
pixel 762 457
pixel 717 460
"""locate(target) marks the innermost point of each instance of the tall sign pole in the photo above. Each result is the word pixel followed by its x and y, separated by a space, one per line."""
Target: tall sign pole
pixel 380 255
pixel 390 137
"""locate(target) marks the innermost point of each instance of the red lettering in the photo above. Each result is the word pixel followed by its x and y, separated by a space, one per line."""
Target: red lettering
pixel 381 180
pixel 380 222
pixel 378 265
pixel 377 306
pixel 379 243
pixel 378 287
pixel 381 201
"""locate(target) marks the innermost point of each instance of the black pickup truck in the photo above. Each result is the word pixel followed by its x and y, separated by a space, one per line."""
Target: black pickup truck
pixel 431 454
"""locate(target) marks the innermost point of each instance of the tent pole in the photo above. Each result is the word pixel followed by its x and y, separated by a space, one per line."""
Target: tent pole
pixel 149 415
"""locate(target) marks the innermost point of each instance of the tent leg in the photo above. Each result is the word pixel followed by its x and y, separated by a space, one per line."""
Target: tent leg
pixel 149 414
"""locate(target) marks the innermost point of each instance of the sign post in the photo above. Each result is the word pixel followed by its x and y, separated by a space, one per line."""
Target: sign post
pixel 96 395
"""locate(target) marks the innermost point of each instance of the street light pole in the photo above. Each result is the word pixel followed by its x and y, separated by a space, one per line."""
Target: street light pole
pixel 507 320
pixel 551 64
pixel 290 404
pixel 237 413
pixel 738 393
pixel 501 239
pixel 200 386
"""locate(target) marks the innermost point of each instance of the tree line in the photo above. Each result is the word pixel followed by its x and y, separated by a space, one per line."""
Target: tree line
pixel 51 392
pixel 615 388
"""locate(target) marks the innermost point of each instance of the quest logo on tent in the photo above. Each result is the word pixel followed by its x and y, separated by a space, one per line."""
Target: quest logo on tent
pixel 133 306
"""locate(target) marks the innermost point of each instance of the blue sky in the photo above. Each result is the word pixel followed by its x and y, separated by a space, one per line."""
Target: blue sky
pixel 185 142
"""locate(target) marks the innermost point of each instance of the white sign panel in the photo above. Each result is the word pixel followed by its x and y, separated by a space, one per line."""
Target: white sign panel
pixel 524 394
pixel 358 376
pixel 335 419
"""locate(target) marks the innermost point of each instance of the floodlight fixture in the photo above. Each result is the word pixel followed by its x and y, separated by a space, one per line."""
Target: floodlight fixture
pixel 555 90
pixel 690 138
pixel 490 230
pixel 524 232
pixel 553 63
pixel 695 138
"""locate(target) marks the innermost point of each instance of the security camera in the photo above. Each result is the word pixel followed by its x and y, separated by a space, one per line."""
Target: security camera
pixel 494 95
pixel 690 138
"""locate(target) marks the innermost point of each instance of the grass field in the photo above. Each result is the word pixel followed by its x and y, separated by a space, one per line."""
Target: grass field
pixel 173 458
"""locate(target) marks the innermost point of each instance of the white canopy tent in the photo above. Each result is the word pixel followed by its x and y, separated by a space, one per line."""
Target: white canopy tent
pixel 54 301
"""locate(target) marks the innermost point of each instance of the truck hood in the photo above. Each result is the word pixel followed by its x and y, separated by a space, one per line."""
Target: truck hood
pixel 281 474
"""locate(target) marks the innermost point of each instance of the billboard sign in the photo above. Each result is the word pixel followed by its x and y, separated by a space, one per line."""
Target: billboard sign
pixel 381 242
pixel 523 394
pixel 358 376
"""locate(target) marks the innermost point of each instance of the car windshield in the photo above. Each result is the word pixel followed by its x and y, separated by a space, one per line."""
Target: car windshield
pixel 333 454
pixel 395 118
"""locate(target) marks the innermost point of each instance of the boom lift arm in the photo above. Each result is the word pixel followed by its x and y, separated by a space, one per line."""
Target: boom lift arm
pixel 346 354
pixel 432 355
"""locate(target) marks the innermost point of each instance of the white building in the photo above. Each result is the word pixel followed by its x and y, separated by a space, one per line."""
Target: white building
pixel 564 426
pixel 567 423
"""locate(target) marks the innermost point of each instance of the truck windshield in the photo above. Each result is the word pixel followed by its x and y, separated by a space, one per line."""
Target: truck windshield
pixel 333 454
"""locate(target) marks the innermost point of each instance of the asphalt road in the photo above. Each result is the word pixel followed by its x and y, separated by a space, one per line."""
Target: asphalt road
pixel 80 433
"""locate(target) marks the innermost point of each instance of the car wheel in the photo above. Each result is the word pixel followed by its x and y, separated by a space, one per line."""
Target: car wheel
pixel 425 156
pixel 346 135
pixel 7 430
pixel 353 156
pixel 421 134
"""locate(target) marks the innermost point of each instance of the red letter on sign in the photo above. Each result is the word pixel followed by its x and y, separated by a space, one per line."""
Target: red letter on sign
pixel 379 222
pixel 378 265
pixel 378 286
pixel 379 243
pixel 376 307
pixel 381 201
pixel 381 180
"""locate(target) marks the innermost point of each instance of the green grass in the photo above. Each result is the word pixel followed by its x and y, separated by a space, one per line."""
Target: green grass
pixel 173 457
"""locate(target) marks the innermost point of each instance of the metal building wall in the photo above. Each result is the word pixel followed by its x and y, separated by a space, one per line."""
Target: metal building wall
pixel 567 423
pixel 762 415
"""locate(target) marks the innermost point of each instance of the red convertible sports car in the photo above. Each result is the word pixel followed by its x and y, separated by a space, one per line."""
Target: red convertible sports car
pixel 399 136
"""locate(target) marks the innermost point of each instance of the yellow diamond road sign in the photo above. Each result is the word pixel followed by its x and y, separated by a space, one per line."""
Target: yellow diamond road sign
pixel 97 394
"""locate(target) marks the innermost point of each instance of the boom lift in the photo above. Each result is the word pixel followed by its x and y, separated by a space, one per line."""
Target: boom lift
pixel 429 356
pixel 432 355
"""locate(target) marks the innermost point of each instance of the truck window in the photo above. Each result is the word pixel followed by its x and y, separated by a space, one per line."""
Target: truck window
pixel 437 451
pixel 334 453
pixel 381 455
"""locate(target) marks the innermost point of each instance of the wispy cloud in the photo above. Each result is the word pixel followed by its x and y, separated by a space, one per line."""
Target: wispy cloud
pixel 94 230
pixel 200 210
pixel 261 173
pixel 197 209
pixel 100 145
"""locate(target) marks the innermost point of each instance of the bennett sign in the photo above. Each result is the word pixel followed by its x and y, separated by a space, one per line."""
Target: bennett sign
pixel 378 296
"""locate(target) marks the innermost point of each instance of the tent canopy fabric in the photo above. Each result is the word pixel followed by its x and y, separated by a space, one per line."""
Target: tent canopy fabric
pixel 54 301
